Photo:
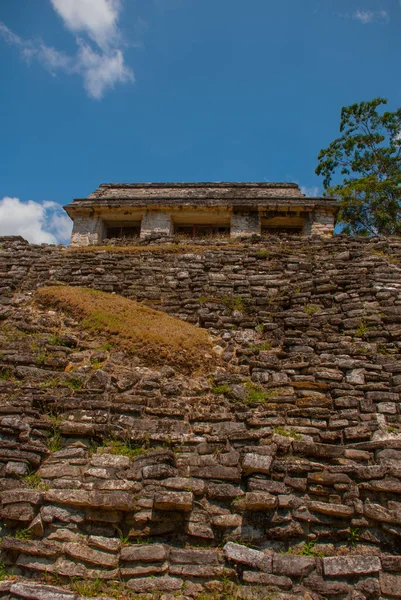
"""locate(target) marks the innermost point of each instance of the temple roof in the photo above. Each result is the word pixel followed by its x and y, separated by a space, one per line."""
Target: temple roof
pixel 208 194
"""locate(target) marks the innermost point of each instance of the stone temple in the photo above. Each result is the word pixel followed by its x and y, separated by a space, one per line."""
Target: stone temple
pixel 129 210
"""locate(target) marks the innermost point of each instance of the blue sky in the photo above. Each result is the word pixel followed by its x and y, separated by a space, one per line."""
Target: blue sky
pixel 178 90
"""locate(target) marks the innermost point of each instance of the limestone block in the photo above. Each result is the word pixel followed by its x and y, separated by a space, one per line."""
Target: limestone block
pixel 144 553
pixel 156 222
pixel 194 557
pixel 347 566
pixel 181 501
pixel 37 591
pixel 390 585
pixel 248 556
pixel 144 585
pixel 259 501
pixel 245 225
pixel 255 463
pixel 267 579
pixel 293 566
pixel 88 555
pixel 334 510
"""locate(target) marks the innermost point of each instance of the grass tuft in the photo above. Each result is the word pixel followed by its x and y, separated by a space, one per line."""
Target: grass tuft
pixel 152 335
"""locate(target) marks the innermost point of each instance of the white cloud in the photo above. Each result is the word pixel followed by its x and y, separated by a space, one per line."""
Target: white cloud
pixel 311 192
pixel 96 18
pixel 369 16
pixel 37 222
pixel 99 60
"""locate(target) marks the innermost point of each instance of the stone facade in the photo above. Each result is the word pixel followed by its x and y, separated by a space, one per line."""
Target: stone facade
pixel 201 209
pixel 278 472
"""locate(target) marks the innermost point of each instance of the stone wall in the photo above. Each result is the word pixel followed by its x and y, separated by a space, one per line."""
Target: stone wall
pixel 87 231
pixel 321 223
pixel 280 473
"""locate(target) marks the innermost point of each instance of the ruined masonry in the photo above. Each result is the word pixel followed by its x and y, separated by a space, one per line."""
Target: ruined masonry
pixel 276 476
pixel 197 210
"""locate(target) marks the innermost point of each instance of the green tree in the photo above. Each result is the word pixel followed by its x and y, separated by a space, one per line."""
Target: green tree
pixel 367 157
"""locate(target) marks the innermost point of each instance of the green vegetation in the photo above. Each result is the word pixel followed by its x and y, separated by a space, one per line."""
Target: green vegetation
pixel 234 303
pixel 22 534
pixel 307 549
pixel 290 433
pixel 34 482
pixel 125 447
pixel 311 309
pixel 50 383
pixel 3 572
pixel 262 253
pixel 255 394
pixel 366 159
pixel 74 384
pixel 54 441
pixel 221 389
pixel 153 336
pixel 87 587
pixel 5 375
pixel 353 536
pixel 260 347
pixel 362 329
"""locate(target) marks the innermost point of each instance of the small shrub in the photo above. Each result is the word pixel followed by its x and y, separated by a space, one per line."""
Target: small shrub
pixel 234 303
pixel 262 346
pixel 23 534
pixel 3 572
pixel 87 587
pixel 221 389
pixel 362 329
pixel 49 384
pixel 311 309
pixel 262 253
pixel 74 384
pixel 290 433
pixel 5 375
pixel 353 536
pixel 126 448
pixel 255 394
pixel 34 482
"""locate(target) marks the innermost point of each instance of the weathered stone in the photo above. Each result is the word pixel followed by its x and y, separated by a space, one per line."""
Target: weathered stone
pixel 35 548
pixel 14 496
pixel 16 469
pixel 144 585
pixel 267 579
pixel 390 585
pixel 194 557
pixel 259 501
pixel 334 510
pixel 391 563
pixel 110 461
pixel 224 491
pixel 347 566
pixel 146 553
pixel 101 500
pixel 88 555
pixel 248 556
pixel 180 501
pixel 18 512
pixel 293 566
pixel 227 520
pixel 37 591
pixel 256 463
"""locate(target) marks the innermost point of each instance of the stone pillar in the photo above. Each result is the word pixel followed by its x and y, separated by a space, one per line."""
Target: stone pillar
pixel 322 223
pixel 245 224
pixel 155 221
pixel 87 231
